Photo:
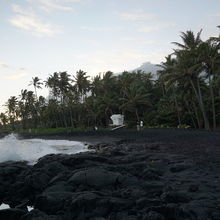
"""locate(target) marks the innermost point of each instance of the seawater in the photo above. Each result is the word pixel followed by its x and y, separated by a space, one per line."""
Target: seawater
pixel 30 150
pixel 5 206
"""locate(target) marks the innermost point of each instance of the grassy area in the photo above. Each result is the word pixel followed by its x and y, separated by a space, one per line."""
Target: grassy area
pixel 5 130
pixel 56 130
pixel 71 129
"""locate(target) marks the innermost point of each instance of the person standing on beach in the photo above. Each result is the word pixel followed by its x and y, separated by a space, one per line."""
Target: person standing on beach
pixel 138 126
pixel 141 125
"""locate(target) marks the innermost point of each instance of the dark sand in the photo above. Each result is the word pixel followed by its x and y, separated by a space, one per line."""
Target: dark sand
pixel 155 174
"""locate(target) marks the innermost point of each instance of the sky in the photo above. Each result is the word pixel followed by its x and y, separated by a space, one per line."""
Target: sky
pixel 40 37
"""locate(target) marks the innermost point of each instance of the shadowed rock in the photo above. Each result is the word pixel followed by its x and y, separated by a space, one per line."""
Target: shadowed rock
pixel 153 175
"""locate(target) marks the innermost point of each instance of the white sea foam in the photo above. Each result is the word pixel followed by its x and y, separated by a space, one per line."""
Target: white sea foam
pixel 4 206
pixel 13 149
pixel 29 208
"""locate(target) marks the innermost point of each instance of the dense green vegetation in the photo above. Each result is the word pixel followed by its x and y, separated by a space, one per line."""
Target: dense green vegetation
pixel 186 92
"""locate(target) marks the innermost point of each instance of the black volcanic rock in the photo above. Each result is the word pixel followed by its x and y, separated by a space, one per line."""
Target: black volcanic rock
pixel 38 215
pixel 145 176
pixel 11 214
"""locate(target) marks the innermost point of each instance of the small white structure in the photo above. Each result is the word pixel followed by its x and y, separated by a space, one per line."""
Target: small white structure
pixel 117 119
pixel 141 123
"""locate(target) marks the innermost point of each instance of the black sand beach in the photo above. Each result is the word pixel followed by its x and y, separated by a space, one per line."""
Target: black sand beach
pixel 155 174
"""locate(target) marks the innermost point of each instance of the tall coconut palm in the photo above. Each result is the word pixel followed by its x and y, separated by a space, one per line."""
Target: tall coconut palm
pixel 124 81
pixel 134 97
pixel 210 59
pixel 96 86
pixel 108 81
pixel 64 84
pixel 81 83
pixel 190 41
pixel 36 82
pixel 22 110
pixel 168 75
pixel 189 67
pixel 52 83
pixel 189 70
pixel 12 110
pixel 23 94
pixel 4 119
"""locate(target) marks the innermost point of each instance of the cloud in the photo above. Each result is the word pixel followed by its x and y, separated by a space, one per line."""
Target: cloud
pixel 15 76
pixel 150 42
pixel 140 41
pixel 155 27
pixel 49 5
pixel 27 20
pixel 12 72
pixel 118 60
pixel 137 16
pixel 101 29
pixel 4 65
pixel 215 15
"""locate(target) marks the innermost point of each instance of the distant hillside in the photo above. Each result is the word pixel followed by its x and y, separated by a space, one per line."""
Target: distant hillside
pixel 149 67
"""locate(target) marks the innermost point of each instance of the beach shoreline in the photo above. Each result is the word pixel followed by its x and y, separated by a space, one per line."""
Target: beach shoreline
pixel 150 174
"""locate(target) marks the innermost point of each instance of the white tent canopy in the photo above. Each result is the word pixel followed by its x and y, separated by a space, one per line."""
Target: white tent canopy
pixel 117 119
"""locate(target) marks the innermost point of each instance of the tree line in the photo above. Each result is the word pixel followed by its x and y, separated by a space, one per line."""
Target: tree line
pixel 185 92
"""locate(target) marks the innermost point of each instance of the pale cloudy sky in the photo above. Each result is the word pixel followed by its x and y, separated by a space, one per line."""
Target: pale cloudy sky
pixel 39 37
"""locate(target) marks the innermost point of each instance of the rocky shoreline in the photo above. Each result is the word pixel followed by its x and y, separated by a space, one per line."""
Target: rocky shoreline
pixel 155 174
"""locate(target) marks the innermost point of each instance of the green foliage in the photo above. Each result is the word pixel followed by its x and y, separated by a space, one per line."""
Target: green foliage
pixel 184 126
pixel 57 130
pixel 185 95
pixel 158 126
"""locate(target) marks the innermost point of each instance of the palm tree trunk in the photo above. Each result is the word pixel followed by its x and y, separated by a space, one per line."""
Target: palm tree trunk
pixel 190 113
pixel 177 107
pixel 24 122
pixel 213 102
pixel 206 121
pixel 64 120
pixel 197 115
pixel 12 121
pixel 36 92
pixel 201 104
pixel 136 112
pixel 71 117
pixel 163 90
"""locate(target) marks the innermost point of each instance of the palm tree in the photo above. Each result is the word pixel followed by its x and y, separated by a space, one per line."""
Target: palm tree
pixel 124 81
pixel 134 97
pixel 52 83
pixel 188 67
pixel 64 84
pixel 108 81
pixel 210 58
pixel 81 83
pixel 12 110
pixel 36 82
pixel 51 114
pixel 41 106
pixel 23 94
pixel 171 79
pixel 190 41
pixel 4 119
pixel 96 86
